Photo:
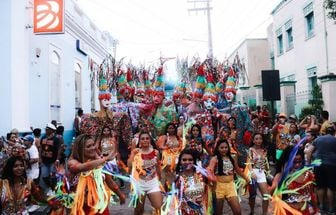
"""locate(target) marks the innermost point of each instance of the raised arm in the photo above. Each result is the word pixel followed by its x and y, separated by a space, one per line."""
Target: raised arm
pixel 76 167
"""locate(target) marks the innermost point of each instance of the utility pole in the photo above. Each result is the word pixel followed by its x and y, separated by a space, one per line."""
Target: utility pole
pixel 207 9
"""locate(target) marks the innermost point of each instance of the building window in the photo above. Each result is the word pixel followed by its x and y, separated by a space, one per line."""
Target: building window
pixel 312 77
pixel 310 24
pixel 289 33
pixel 280 44
pixel 55 87
pixel 78 86
pixel 308 12
pixel 312 82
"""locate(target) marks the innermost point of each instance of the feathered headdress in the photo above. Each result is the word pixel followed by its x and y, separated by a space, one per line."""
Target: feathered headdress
pixel 179 91
pixel 210 91
pixel 230 85
pixel 103 90
pixel 200 82
pixel 159 86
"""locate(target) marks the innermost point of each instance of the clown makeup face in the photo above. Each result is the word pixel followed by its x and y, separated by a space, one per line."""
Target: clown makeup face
pixel 139 96
pixel 127 95
pixel 105 103
pixel 209 104
pixel 229 96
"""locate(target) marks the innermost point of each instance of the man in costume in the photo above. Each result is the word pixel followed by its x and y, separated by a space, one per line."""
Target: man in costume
pixel 164 110
pixel 240 113
pixel 119 123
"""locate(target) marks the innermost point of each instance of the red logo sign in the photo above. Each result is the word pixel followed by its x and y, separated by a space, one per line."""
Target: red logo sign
pixel 48 16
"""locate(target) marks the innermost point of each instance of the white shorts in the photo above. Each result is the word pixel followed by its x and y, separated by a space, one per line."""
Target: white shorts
pixel 261 176
pixel 150 186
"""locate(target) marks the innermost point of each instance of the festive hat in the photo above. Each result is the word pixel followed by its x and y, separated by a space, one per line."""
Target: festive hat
pixel 139 88
pixel 123 84
pixel 200 82
pixel 147 84
pixel 210 91
pixel 230 85
pixel 159 86
pixel 179 91
pixel 219 87
pixel 103 90
pixel 130 82
pixel 139 91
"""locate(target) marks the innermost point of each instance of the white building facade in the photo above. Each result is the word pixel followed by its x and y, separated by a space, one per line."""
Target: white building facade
pixel 303 49
pixel 47 77
pixel 254 55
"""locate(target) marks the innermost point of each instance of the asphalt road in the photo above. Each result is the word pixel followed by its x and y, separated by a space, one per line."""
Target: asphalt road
pixel 125 210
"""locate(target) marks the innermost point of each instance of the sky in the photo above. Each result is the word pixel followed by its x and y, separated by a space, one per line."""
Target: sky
pixel 150 29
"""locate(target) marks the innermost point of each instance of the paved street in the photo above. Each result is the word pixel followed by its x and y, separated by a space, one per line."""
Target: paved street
pixel 125 210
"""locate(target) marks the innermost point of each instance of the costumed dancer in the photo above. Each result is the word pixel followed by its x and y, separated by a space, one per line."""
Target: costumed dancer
pixel 240 113
pixel 258 166
pixel 171 146
pixel 195 107
pixel 93 188
pixel 126 92
pixel 294 184
pixel 221 103
pixel 164 110
pixel 145 164
pixel 194 193
pixel 106 144
pixel 16 189
pixel 119 123
pixel 209 126
pixel 223 166
pixel 196 143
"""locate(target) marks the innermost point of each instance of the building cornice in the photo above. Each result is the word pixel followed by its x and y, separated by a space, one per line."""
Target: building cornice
pixel 329 77
pixel 244 88
pixel 279 6
pixel 287 83
pixel 77 30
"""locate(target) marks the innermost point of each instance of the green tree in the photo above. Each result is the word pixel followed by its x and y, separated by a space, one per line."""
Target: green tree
pixel 316 100
pixel 330 6
pixel 316 103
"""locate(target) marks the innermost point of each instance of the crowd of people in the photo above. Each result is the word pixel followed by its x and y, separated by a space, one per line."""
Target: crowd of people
pixel 30 163
pixel 187 155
